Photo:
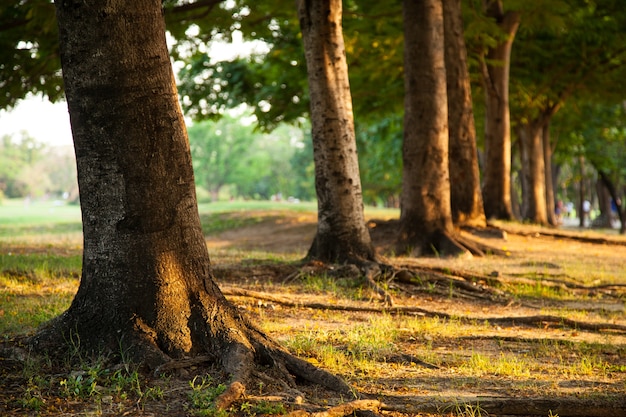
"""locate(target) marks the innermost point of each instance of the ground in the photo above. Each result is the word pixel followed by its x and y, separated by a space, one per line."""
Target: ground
pixel 538 330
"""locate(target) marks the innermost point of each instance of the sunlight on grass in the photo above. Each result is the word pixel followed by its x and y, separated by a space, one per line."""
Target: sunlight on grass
pixel 357 346
pixel 22 314
pixel 40 264
pixel 503 365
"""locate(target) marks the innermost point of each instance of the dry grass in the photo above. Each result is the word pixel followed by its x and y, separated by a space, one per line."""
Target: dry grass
pixel 383 355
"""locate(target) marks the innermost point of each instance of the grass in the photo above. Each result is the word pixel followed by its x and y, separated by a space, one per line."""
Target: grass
pixel 40 265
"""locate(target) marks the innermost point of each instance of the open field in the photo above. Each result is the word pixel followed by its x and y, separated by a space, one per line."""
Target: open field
pixel 540 330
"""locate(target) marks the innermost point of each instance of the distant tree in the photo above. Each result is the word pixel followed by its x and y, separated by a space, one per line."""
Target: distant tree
pixel 253 164
pixel 20 169
pixel 380 159
pixel 219 151
pixel 146 283
pixel 576 55
pixel 304 169
pixel 342 235
pixel 597 134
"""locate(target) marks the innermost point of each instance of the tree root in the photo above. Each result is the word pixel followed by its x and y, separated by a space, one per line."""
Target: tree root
pixel 542 320
pixel 181 364
pixel 240 361
pixel 497 406
pixel 341 410
pixel 566 236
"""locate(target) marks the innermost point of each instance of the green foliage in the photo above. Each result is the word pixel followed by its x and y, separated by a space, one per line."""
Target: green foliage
pixel 203 394
pixel 380 159
pixel 255 165
pixel 29 56
pixel 567 51
pixel 29 168
pixel 596 132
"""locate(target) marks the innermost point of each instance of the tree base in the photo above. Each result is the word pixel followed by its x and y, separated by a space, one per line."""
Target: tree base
pixel 225 338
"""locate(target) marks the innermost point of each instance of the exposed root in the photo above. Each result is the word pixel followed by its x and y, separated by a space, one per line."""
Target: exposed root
pixel 311 373
pixel 542 320
pixel 498 406
pixel 371 272
pixel 234 392
pixel 181 364
pixel 341 410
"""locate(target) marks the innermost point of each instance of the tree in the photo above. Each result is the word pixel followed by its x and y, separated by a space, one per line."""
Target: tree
pixel 19 176
pixel 495 71
pixel 146 282
pixel 425 214
pixel 465 194
pixel 342 235
pixel 577 53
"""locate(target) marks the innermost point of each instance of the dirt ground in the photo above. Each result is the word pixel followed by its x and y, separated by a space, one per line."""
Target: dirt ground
pixel 577 262
pixel 554 300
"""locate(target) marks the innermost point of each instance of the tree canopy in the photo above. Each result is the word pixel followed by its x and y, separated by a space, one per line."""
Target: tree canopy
pixel 563 51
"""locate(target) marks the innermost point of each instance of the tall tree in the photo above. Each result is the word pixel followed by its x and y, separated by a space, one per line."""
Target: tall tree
pixel 577 53
pixel 534 195
pixel 465 195
pixel 342 235
pixel 425 216
pixel 146 282
pixel 495 70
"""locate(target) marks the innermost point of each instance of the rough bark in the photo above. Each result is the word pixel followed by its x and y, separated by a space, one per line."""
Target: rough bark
pixel 146 285
pixel 425 214
pixel 496 183
pixel 342 235
pixel 534 197
pixel 465 195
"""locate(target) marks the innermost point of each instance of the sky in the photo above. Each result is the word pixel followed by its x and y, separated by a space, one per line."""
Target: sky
pixel 46 122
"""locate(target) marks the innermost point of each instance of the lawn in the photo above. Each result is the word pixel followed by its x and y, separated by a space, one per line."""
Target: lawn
pixel 538 330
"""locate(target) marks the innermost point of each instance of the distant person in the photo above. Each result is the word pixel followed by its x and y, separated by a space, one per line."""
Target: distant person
pixel 586 210
pixel 558 211
pixel 614 212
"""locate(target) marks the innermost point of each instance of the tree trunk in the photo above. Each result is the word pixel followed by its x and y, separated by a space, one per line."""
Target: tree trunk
pixel 496 183
pixel 146 283
pixel 465 195
pixel 425 214
pixel 534 198
pixel 610 186
pixel 342 235
pixel 604 204
pixel 581 194
pixel 551 202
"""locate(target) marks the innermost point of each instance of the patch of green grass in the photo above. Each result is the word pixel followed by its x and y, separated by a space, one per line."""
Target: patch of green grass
pixel 37 267
pixel 22 314
pixel 213 223
pixel 204 392
pixel 539 291
pixel 346 288
pixel 509 365
pixel 35 288
pixel 262 408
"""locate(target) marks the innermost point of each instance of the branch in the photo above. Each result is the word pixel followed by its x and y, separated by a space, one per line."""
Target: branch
pixel 193 6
